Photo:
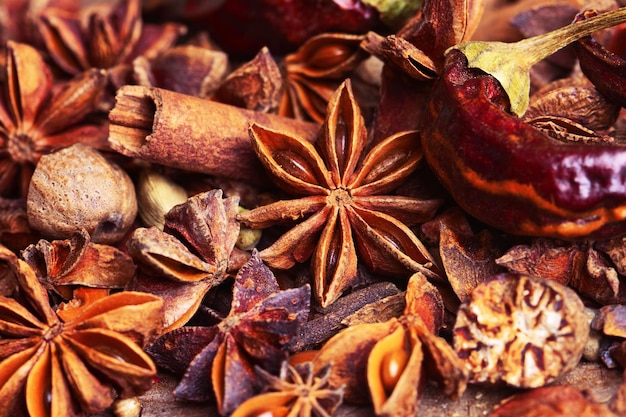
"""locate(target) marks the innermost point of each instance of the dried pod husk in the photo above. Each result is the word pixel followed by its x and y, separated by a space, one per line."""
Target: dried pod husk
pixel 576 99
pixel 424 301
pixel 520 330
pixel 256 85
pixel 347 354
pixel 605 69
pixel 611 320
pixel 394 373
pixel 156 195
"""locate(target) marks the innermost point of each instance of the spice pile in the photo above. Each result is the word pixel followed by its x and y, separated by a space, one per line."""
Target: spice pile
pixel 313 208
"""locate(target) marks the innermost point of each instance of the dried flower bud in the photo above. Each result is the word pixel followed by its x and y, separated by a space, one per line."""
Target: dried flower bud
pixel 522 330
pixel 77 188
pixel 156 195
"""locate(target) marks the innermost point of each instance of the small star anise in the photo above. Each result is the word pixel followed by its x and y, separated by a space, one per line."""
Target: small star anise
pixel 38 115
pixel 189 257
pixel 343 195
pixel 298 391
pixel 107 35
pixel 53 368
pixel 315 70
pixel 218 361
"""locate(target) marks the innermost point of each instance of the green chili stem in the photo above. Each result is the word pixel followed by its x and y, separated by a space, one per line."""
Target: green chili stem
pixel 510 63
pixel 542 46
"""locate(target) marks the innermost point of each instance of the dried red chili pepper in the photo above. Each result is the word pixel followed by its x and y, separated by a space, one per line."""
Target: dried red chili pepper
pixel 512 176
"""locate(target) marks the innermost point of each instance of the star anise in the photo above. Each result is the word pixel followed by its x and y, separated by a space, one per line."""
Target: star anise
pixel 49 367
pixel 313 73
pixel 189 257
pixel 107 35
pixel 38 115
pixel 343 196
pixel 298 391
pixel 19 18
pixel 60 265
pixel 218 361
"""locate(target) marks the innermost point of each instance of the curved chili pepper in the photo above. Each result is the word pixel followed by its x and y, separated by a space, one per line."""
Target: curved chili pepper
pixel 512 176
pixel 605 68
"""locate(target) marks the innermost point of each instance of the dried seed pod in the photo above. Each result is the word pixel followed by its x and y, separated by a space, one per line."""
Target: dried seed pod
pixel 76 188
pixel 394 354
pixel 576 99
pixel 522 330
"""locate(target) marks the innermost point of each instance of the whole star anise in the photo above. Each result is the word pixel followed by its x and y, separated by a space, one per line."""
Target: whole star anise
pixel 38 115
pixel 218 361
pixel 313 72
pixel 343 196
pixel 53 368
pixel 107 35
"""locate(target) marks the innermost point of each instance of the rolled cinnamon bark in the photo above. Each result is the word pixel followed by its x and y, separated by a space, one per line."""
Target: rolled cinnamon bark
pixel 186 132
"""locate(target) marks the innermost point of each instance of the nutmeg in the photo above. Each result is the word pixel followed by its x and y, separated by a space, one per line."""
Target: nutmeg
pixel 78 188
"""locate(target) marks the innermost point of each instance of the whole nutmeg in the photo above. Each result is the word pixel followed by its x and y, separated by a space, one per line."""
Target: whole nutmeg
pixel 520 330
pixel 78 188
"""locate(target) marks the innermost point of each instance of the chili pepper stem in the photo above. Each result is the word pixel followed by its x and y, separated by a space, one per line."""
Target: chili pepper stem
pixel 510 63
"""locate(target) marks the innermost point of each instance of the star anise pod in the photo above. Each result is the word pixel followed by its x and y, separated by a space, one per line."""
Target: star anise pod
pixel 189 257
pixel 313 73
pixel 343 196
pixel 49 367
pixel 297 391
pixel 60 265
pixel 38 115
pixel 218 361
pixel 19 18
pixel 107 35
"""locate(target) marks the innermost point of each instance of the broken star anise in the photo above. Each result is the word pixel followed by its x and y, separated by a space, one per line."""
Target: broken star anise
pixel 60 265
pixel 343 196
pixel 182 262
pixel 38 115
pixel 218 361
pixel 52 368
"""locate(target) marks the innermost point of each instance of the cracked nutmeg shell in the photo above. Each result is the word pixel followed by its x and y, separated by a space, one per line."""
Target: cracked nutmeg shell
pixel 520 330
pixel 76 188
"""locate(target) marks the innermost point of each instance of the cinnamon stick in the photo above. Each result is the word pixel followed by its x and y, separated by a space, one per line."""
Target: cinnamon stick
pixel 186 132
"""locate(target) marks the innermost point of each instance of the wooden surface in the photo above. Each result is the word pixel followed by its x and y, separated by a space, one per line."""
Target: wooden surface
pixel 477 401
